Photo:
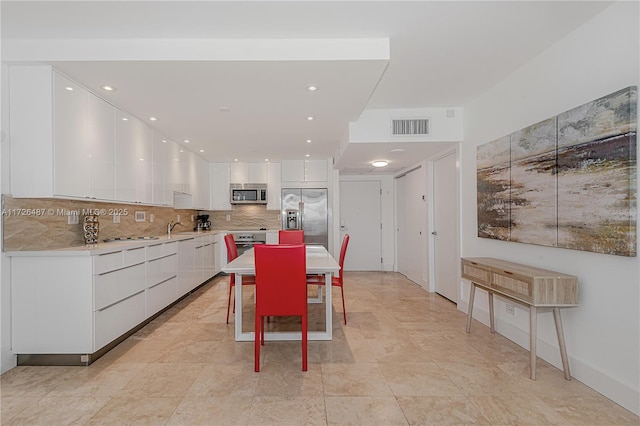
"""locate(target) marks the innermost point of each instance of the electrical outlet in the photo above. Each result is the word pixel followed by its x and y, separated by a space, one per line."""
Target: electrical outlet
pixel 116 218
pixel 510 309
pixel 72 218
pixel 228 217
pixel 191 218
pixel 152 217
pixel 178 218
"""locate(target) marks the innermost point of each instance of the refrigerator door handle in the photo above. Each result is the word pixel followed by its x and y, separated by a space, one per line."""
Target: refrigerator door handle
pixel 301 213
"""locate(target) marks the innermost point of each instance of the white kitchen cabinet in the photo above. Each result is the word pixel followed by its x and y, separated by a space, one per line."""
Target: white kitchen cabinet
pixel 66 303
pixel 84 154
pixel 219 175
pixel 304 171
pixel 274 186
pixel 101 137
pixel 134 145
pixel 62 138
pixel 248 172
pixel 161 193
pixel 257 173
pixel 72 150
pixel 188 273
pixel 200 183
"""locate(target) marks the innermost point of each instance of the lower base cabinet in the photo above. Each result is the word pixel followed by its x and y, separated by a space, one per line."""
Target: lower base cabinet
pixel 68 305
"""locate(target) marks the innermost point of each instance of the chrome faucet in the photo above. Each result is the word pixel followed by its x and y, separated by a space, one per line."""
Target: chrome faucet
pixel 170 227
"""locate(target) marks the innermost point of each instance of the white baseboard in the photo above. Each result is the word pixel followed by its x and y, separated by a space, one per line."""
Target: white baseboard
pixel 620 393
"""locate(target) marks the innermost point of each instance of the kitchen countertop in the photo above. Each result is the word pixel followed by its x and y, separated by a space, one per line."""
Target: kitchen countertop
pixel 112 246
pixel 115 245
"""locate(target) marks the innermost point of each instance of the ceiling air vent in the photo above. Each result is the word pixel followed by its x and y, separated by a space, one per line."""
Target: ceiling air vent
pixel 417 126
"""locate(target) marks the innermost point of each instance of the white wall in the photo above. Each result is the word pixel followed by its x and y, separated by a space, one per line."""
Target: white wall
pixel 603 333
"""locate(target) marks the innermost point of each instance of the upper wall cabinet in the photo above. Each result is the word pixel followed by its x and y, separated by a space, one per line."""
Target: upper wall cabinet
pixel 248 172
pixel 62 137
pixel 274 186
pixel 134 147
pixel 304 171
pixel 219 176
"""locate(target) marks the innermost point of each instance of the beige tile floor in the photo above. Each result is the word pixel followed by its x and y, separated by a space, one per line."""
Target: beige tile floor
pixel 404 358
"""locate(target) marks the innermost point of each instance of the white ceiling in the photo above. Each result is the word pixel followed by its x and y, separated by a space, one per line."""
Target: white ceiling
pixel 181 61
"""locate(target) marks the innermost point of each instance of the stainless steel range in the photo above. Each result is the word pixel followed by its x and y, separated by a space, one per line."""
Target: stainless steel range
pixel 245 240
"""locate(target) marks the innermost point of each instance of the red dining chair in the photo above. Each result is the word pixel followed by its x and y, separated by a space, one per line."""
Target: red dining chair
pixel 291 236
pixel 335 281
pixel 232 253
pixel 280 289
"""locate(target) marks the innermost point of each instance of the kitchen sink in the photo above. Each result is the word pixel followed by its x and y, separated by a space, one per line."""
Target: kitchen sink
pixel 128 239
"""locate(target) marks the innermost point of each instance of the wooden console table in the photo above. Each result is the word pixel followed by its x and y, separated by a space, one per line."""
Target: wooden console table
pixel 533 287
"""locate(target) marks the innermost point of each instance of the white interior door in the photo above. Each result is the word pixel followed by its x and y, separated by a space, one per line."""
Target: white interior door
pixel 445 253
pixel 401 228
pixel 360 218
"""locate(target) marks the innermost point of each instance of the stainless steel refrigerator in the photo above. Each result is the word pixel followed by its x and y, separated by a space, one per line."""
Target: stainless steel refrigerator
pixel 306 209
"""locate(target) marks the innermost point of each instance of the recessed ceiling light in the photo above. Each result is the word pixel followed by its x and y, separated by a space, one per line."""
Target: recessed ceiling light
pixel 308 140
pixel 397 150
pixel 311 118
pixel 182 150
pixel 312 87
pixel 187 141
pixel 235 159
pixel 266 159
pixel 69 88
pixel 153 119
pixel 308 155
pixel 108 88
pixel 224 109
pixel 125 119
pixel 379 163
pixel 164 141
pixel 142 159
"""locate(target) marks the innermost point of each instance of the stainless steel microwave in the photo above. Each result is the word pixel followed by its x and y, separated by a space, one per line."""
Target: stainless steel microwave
pixel 248 193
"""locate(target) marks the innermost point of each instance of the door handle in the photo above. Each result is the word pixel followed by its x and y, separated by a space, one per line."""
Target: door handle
pixel 434 233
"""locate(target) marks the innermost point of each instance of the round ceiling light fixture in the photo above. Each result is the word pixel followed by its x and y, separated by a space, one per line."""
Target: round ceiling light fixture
pixel 312 88
pixel 108 88
pixel 380 163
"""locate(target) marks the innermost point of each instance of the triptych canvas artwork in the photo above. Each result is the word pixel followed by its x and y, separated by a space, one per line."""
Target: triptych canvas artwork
pixel 568 181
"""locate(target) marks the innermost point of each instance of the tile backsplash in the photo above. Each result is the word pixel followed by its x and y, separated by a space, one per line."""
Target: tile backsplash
pixel 41 223
pixel 245 216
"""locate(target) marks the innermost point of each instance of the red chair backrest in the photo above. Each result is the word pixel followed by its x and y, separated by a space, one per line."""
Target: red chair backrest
pixel 281 273
pixel 232 250
pixel 343 252
pixel 291 236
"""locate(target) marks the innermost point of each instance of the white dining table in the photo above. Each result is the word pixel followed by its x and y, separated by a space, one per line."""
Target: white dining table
pixel 318 260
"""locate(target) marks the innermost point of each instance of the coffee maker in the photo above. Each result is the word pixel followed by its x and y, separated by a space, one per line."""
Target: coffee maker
pixel 202 223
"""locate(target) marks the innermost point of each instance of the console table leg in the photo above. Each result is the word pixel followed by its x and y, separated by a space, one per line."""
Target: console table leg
pixel 491 317
pixel 470 310
pixel 563 348
pixel 533 325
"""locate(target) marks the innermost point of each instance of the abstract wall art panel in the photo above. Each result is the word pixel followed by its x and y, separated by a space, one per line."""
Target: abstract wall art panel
pixel 597 175
pixel 493 175
pixel 533 184
pixel 568 181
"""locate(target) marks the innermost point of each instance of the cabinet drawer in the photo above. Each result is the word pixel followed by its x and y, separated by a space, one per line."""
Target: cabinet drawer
pixel 112 322
pixel 159 270
pixel 133 256
pixel 117 285
pixel 476 273
pixel 154 251
pixel 161 295
pixel 107 262
pixel 513 284
pixel 170 248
